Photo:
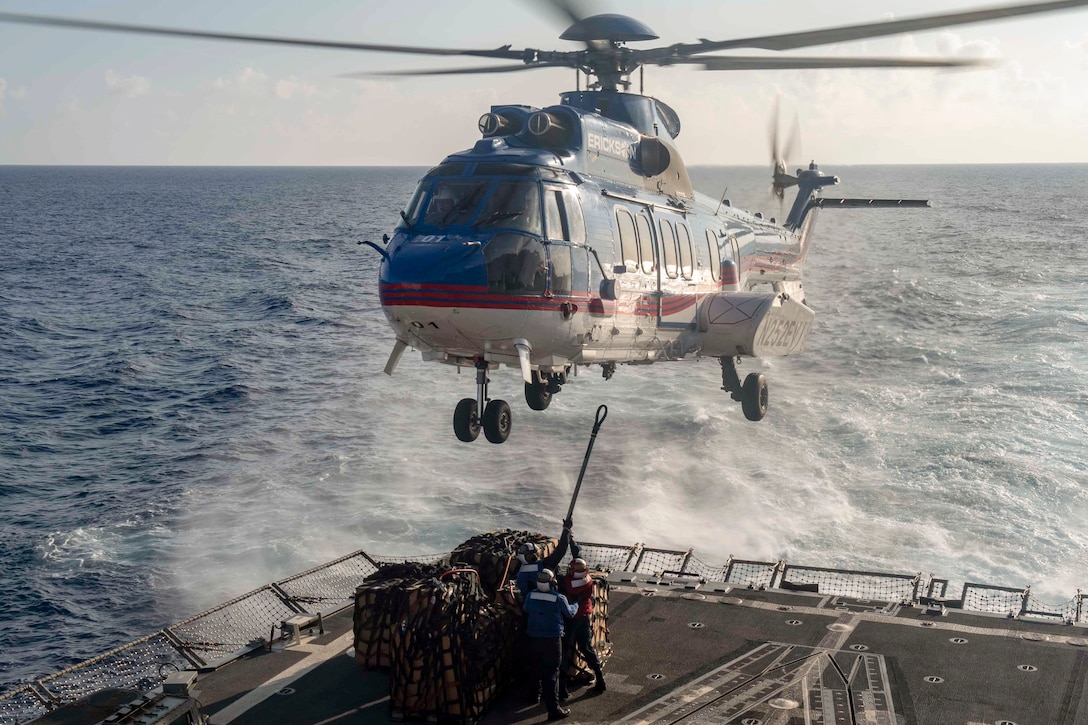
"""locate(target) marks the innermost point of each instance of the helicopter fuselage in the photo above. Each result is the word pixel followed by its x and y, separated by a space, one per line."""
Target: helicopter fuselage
pixel 565 237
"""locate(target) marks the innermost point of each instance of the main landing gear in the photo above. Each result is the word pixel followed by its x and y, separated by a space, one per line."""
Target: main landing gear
pixel 496 420
pixel 752 394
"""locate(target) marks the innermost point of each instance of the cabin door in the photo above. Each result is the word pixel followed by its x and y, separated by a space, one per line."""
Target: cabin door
pixel 649 267
pixel 677 300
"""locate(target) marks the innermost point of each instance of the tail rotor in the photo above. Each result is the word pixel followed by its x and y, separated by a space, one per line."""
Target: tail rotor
pixel 781 179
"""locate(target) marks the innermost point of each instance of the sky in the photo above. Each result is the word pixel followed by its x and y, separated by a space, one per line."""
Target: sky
pixel 79 97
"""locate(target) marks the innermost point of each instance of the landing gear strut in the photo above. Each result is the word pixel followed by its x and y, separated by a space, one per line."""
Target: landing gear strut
pixel 752 394
pixel 496 420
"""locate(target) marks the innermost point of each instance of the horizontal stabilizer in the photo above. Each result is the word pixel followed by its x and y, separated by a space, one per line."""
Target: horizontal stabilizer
pixel 828 203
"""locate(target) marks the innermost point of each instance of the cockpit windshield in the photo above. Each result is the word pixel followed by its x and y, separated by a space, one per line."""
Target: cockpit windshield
pixel 479 203
pixel 512 205
pixel 453 202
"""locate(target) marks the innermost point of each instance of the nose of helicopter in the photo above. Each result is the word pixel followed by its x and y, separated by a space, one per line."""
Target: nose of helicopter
pixel 426 282
pixel 434 261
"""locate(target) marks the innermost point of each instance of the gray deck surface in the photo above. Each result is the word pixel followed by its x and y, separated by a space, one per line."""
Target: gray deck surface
pixel 774 657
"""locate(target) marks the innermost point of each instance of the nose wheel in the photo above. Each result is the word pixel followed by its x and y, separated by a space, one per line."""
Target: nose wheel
pixel 496 421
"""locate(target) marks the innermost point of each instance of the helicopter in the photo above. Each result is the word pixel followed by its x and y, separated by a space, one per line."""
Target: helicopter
pixel 570 235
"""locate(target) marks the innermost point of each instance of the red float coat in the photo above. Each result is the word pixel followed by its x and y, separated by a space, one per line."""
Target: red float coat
pixel 580 592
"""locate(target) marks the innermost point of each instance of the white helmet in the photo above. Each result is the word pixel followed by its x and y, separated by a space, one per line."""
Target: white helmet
pixel 544 580
pixel 527 552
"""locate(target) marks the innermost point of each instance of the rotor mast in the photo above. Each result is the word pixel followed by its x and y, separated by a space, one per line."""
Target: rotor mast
pixel 605 58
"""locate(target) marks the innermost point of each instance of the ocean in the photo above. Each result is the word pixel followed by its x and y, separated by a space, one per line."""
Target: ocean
pixel 193 404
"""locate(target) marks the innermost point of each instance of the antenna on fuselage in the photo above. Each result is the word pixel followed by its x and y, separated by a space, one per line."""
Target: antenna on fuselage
pixel 722 201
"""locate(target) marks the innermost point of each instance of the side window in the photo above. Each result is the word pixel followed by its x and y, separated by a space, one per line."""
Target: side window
pixel 628 239
pixel 645 243
pixel 576 223
pixel 417 202
pixel 553 218
pixel 561 270
pixel 668 247
pixel 683 239
pixel 516 265
pixel 579 265
pixel 715 256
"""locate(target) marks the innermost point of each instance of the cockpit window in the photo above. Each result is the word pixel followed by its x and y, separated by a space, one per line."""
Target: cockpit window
pixel 516 264
pixel 412 215
pixel 512 205
pixel 537 172
pixel 446 170
pixel 454 202
pixel 505 170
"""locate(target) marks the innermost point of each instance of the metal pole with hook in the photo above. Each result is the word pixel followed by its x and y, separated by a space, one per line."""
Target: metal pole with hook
pixel 602 413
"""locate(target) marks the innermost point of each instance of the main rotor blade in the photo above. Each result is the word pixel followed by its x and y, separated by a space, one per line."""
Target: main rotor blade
pixel 807 39
pixel 797 63
pixel 565 9
pixel 456 71
pixel 78 24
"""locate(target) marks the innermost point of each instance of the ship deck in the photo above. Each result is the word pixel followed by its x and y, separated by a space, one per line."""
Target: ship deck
pixel 702 653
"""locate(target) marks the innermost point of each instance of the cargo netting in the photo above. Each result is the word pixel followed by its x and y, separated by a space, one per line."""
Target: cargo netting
pixel 446 633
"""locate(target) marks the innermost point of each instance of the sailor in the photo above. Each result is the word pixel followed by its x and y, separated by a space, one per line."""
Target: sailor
pixel 578 587
pixel 545 612
pixel 532 564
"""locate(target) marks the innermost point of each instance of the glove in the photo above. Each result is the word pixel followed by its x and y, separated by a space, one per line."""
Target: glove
pixel 568 523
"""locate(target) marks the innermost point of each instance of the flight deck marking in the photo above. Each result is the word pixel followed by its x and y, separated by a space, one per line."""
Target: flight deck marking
pixel 777 672
pixel 319 654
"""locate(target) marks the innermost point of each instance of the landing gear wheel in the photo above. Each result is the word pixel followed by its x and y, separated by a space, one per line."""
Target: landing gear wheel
pixel 537 395
pixel 465 422
pixel 753 399
pixel 497 420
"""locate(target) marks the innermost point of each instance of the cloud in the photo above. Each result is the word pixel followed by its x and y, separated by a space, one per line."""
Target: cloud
pixel 247 78
pixel 131 87
pixel 15 94
pixel 953 44
pixel 289 88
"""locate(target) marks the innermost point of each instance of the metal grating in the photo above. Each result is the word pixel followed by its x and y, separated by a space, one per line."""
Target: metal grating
pixel 21 705
pixel 329 587
pixel 858 584
pixel 138 665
